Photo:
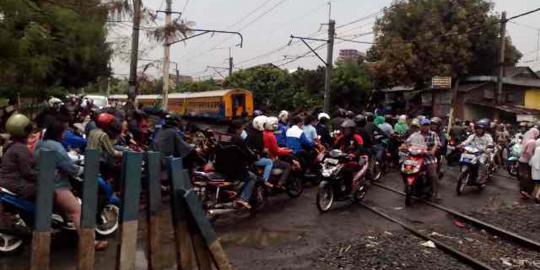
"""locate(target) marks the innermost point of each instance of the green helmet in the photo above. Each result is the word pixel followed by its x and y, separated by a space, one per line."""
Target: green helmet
pixel 18 125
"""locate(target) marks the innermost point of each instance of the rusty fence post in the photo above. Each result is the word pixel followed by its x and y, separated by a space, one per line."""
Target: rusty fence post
pixel 153 169
pixel 41 237
pixel 87 236
pixel 131 180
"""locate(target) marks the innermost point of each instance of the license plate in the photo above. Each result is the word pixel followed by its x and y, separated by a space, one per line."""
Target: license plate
pixel 409 162
pixel 332 161
pixel 468 156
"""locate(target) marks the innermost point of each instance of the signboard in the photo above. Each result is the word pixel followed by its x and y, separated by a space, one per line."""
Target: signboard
pixel 439 82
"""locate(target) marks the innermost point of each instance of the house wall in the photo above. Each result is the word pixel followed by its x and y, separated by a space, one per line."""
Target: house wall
pixel 532 99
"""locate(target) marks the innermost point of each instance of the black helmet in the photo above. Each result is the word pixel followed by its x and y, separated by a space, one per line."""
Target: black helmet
pixel 360 119
pixel 348 124
pixel 350 114
pixel 369 116
pixel 171 120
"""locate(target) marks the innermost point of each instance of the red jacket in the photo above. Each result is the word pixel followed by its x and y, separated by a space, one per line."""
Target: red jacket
pixel 270 143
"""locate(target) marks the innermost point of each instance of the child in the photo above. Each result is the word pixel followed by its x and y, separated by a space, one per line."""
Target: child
pixel 535 171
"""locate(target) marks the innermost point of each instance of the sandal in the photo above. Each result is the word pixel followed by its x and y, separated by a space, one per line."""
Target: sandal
pixel 101 245
pixel 243 204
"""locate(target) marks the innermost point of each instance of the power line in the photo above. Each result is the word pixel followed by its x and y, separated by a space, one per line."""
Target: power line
pixel 185 6
pixel 361 19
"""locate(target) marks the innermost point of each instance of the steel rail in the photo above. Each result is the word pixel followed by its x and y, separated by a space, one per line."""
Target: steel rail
pixel 529 243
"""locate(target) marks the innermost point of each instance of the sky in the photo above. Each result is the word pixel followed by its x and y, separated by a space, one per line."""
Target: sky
pixel 267 25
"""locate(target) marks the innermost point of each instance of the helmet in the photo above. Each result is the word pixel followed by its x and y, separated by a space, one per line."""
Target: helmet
pixel 323 115
pixel 482 123
pixel 271 123
pixel 341 112
pixel 415 122
pixel 105 120
pixel 350 114
pixel 259 121
pixel 171 120
pixel 369 116
pixel 54 102
pixel 436 120
pixel 402 118
pixel 360 119
pixel 257 113
pixel 18 125
pixel 425 122
pixel 283 116
pixel 348 124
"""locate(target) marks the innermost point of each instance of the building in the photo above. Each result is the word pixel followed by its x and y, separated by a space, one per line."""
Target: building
pixel 476 98
pixel 350 56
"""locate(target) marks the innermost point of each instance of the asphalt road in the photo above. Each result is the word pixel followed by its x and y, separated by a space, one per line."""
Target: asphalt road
pixel 289 233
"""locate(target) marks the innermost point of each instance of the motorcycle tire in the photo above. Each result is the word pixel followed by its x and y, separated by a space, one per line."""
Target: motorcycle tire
pixel 108 220
pixel 377 171
pixel 258 199
pixel 360 194
pixel 463 181
pixel 295 187
pixel 10 244
pixel 325 197
pixel 409 192
pixel 512 169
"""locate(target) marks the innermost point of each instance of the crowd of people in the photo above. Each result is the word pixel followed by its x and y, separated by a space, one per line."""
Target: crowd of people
pixel 284 141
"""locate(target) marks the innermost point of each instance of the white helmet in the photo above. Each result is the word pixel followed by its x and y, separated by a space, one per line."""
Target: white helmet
pixel 323 115
pixel 259 121
pixel 283 116
pixel 271 123
pixel 54 102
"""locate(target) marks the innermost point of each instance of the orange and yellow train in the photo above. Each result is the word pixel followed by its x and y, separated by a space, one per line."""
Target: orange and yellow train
pixel 219 105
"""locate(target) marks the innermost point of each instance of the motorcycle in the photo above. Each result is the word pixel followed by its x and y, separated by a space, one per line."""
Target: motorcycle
pixel 453 153
pixel 512 161
pixel 415 175
pixel 21 213
pixel 294 186
pixel 334 187
pixel 469 162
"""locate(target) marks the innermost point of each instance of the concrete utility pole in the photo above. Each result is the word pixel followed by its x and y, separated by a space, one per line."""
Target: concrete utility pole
pixel 166 56
pixel 132 88
pixel 329 64
pixel 231 65
pixel 500 75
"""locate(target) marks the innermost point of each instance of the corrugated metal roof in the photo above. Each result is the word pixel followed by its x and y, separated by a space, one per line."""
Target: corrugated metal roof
pixel 469 87
pixel 515 109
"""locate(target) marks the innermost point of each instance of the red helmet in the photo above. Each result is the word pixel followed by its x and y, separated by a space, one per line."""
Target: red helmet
pixel 105 120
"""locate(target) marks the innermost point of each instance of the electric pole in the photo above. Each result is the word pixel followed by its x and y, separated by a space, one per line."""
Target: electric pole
pixel 329 61
pixel 500 75
pixel 132 88
pixel 231 65
pixel 166 56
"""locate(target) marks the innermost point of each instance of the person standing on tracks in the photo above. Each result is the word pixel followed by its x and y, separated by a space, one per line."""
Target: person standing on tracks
pixel 528 144
pixel 535 171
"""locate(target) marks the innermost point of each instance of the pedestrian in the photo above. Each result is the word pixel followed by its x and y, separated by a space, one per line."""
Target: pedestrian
pixel 528 144
pixel 535 171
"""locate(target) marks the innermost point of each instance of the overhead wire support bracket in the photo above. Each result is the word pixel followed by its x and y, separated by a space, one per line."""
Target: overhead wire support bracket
pixel 303 39
pixel 206 31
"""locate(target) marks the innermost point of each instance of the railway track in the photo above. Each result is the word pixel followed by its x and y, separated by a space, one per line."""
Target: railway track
pixel 516 241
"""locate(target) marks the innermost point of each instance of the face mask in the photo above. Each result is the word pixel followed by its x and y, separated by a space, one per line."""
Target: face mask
pixel 243 135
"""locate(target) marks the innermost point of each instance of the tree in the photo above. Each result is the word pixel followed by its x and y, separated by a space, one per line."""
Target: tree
pixel 418 39
pixel 198 86
pixel 350 86
pixel 51 45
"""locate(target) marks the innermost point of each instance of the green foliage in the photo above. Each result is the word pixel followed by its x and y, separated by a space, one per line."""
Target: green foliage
pixel 50 45
pixel 197 86
pixel 275 89
pixel 418 39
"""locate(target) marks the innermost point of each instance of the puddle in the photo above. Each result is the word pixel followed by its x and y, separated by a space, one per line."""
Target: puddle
pixel 259 238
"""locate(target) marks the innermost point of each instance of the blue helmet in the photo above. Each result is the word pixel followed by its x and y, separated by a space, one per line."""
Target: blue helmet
pixel 425 122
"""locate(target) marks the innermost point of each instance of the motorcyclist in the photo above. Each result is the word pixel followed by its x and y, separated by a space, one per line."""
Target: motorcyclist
pixel 298 143
pixel 255 141
pixel 65 168
pixel 48 116
pixel 323 129
pixel 458 133
pixel 401 127
pixel 274 151
pixel 338 120
pixel 482 141
pixel 17 166
pixel 283 125
pixel 309 128
pixel 351 143
pixel 432 143
pixel 436 126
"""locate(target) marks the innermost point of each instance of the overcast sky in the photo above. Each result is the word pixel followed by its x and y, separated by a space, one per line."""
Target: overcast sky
pixel 267 24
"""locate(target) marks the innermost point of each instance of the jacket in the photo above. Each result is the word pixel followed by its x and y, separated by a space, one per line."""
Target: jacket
pixel 254 140
pixel 270 143
pixel 282 134
pixel 17 170
pixel 100 141
pixel 352 145
pixel 297 141
pixel 65 166
pixel 324 132
pixel 170 144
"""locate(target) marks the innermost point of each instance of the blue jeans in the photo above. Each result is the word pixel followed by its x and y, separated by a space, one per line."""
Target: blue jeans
pixel 249 183
pixel 267 164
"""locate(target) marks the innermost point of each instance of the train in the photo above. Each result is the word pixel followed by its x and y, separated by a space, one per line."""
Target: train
pixel 226 104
